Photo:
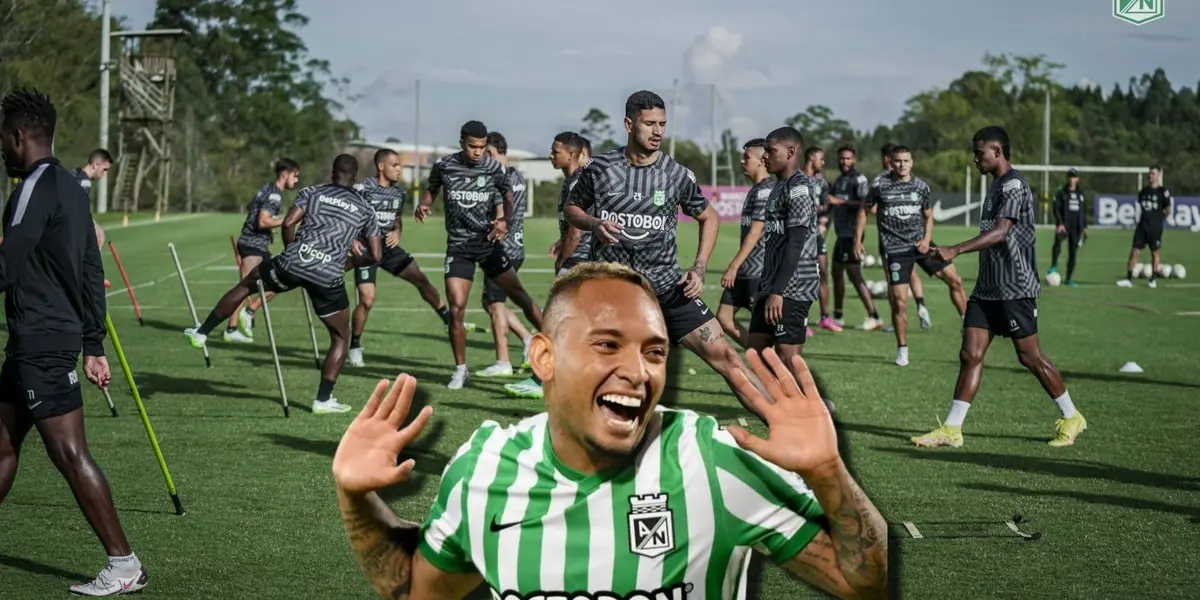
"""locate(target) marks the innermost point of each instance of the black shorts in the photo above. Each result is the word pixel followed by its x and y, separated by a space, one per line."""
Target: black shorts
pixel 43 385
pixel 1006 318
pixel 843 252
pixel 742 294
pixel 1146 236
pixel 899 266
pixel 682 314
pixel 325 300
pixel 394 261
pixel 1072 235
pixel 492 294
pixel 791 330
pixel 462 258
pixel 244 251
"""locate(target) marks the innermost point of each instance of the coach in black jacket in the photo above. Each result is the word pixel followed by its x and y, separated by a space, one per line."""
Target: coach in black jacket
pixel 53 281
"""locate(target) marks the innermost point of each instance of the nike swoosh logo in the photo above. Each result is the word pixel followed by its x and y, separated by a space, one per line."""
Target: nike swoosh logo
pixel 496 527
pixel 941 214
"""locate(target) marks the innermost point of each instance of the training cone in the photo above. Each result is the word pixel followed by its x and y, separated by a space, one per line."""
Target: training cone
pixel 125 220
pixel 1131 367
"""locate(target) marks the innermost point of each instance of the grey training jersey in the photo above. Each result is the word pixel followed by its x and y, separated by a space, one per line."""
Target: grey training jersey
pixel 334 216
pixel 1008 270
pixel 901 216
pixel 270 199
pixel 514 242
pixel 646 202
pixel 388 202
pixel 852 187
pixel 583 251
pixel 791 204
pixel 755 209
pixel 471 193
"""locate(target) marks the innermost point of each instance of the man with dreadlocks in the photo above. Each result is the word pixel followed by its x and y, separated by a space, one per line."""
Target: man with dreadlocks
pixel 53 280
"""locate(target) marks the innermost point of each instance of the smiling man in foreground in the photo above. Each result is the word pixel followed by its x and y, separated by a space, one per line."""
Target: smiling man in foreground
pixel 647 502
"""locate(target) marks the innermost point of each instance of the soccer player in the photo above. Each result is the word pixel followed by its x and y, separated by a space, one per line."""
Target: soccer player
pixel 1070 221
pixel 479 203
pixel 814 169
pixel 99 162
pixel 503 319
pixel 334 216
pixel 790 278
pixel 1154 201
pixel 607 494
pixel 636 193
pixel 51 272
pixel 905 222
pixel 918 288
pixel 385 194
pixel 1004 301
pixel 741 278
pixel 850 192
pixel 254 243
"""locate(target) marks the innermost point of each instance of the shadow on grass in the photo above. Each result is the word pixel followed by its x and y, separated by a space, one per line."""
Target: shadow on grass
pixel 499 409
pixel 1191 512
pixel 150 384
pixel 29 566
pixel 905 434
pixel 475 342
pixel 74 508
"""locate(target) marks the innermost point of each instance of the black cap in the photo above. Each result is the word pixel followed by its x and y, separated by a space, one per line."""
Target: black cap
pixel 1072 172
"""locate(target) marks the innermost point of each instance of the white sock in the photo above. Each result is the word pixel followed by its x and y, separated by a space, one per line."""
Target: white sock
pixel 958 413
pixel 902 352
pixel 1065 405
pixel 460 368
pixel 125 564
pixel 500 363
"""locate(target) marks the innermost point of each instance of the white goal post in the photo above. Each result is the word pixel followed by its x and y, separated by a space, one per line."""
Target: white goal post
pixel 1140 171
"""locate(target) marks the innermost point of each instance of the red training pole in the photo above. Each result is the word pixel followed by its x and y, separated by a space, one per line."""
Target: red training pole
pixel 128 286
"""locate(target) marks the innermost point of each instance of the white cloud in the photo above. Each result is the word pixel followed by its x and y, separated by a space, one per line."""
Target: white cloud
pixel 716 62
pixel 1086 83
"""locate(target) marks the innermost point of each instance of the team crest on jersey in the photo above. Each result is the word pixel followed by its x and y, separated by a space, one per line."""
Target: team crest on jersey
pixel 481 181
pixel 651 526
pixel 660 197
pixel 913 196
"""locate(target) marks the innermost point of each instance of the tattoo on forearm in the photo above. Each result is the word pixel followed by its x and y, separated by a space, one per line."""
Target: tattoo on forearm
pixel 859 534
pixel 384 552
pixel 708 336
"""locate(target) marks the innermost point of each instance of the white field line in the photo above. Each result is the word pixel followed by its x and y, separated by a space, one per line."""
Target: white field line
pixel 173 274
pixel 143 222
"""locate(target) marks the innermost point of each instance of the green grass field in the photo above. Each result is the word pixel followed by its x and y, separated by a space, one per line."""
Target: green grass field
pixel 1120 511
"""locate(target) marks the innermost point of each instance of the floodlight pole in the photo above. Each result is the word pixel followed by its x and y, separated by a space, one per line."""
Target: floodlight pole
pixel 671 115
pixel 1046 144
pixel 105 65
pixel 417 139
pixel 712 104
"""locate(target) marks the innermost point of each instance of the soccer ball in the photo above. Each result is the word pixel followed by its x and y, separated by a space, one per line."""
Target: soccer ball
pixel 1142 270
pixel 868 261
pixel 878 288
pixel 1180 271
pixel 1054 279
pixel 1164 271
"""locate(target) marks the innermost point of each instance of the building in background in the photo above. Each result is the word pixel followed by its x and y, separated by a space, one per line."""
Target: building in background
pixel 534 167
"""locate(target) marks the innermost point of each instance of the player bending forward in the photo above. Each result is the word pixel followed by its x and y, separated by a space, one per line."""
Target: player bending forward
pixel 1004 301
pixel 741 278
pixel 606 494
pixel 386 195
pixel 334 215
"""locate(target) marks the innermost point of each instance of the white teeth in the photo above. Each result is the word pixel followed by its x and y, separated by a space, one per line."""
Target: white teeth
pixel 622 400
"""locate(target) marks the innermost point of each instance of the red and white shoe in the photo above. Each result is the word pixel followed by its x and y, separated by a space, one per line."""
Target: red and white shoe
pixel 111 583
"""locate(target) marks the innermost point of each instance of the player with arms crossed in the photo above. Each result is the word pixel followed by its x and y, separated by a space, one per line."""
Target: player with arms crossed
pixel 636 193
pixel 1004 301
pixel 850 192
pixel 741 278
pixel 1070 221
pixel 503 319
pixel 334 217
pixel 905 222
pixel 607 494
pixel 385 194
pixel 254 243
pixel 814 169
pixel 1154 201
pixel 479 205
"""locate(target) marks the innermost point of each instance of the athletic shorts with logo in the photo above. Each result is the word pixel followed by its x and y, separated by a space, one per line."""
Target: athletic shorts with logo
pixel 244 251
pixel 1147 236
pixel 682 314
pixel 843 251
pixel 899 266
pixel 41 386
pixel 1006 318
pixel 325 300
pixel 792 329
pixel 742 294
pixel 492 294
pixel 394 261
pixel 462 258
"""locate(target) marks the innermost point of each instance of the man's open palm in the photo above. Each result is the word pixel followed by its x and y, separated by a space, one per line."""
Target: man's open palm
pixel 800 435
pixel 366 457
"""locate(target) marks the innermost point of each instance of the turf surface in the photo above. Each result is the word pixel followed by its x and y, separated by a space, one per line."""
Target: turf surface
pixel 1120 511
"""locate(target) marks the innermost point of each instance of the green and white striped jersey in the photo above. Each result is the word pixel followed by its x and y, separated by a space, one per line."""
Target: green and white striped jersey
pixel 677 524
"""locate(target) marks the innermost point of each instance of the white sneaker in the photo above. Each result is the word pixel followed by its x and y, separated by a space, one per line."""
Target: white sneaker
pixel 111 583
pixel 1125 283
pixel 355 357
pixel 246 323
pixel 497 370
pixel 329 407
pixel 459 379
pixel 1153 283
pixel 923 314
pixel 196 339
pixel 236 336
pixel 871 324
pixel 902 357
pixel 840 323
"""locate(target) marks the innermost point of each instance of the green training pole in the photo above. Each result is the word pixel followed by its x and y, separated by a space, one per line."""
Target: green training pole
pixel 137 397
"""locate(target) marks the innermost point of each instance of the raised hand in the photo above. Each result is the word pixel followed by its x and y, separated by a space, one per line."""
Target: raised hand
pixel 800 434
pixel 366 457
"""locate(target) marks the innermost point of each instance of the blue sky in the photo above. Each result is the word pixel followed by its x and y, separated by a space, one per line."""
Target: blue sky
pixel 532 68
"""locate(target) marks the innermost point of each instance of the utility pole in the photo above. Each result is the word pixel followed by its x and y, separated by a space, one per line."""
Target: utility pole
pixel 417 140
pixel 1046 144
pixel 674 97
pixel 712 103
pixel 105 60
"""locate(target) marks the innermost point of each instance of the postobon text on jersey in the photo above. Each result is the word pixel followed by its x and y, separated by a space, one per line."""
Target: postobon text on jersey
pixel 675 592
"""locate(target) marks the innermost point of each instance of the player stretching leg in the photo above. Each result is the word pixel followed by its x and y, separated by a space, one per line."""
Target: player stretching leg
pixel 814 169
pixel 334 217
pixel 254 243
pixel 1070 221
pixel 741 278
pixel 850 191
pixel 1154 201
pixel 636 193
pixel 1004 301
pixel 478 206
pixel 503 319
pixel 386 195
